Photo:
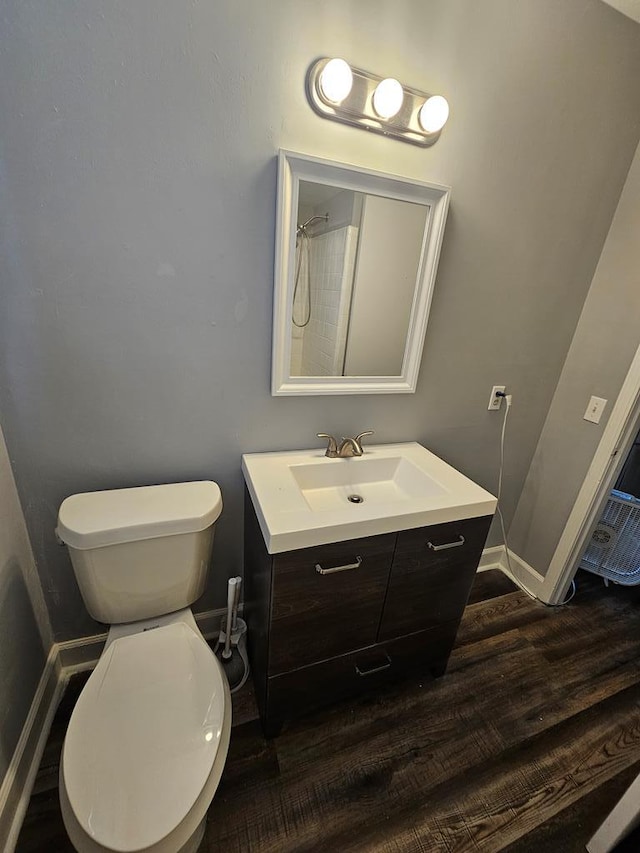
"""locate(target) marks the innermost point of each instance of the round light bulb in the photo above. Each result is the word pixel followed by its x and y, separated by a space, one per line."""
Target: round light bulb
pixel 387 98
pixel 433 114
pixel 336 80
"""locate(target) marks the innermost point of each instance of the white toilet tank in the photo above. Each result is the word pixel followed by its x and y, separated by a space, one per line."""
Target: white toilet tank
pixel 142 552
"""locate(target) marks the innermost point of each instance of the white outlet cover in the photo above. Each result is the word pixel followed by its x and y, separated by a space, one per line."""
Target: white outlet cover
pixel 495 402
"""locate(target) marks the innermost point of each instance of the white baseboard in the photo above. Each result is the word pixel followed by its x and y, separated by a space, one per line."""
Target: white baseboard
pixel 21 773
pixel 81 654
pixel 491 558
pixel 515 568
pixel 522 573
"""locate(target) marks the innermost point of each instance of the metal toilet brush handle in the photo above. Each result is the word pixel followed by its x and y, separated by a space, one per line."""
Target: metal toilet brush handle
pixel 236 602
pixel 231 596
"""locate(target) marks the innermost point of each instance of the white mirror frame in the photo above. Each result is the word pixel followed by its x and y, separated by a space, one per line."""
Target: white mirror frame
pixel 292 168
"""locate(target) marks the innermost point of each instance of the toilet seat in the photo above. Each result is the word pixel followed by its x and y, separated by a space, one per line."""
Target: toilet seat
pixel 144 736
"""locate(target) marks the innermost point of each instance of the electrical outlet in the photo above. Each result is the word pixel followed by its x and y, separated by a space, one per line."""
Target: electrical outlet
pixel 494 400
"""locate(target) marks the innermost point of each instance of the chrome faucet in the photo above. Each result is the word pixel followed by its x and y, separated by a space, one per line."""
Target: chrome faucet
pixel 348 446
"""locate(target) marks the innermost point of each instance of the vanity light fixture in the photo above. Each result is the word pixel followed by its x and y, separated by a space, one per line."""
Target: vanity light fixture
pixel 383 105
pixel 433 114
pixel 387 98
pixel 335 80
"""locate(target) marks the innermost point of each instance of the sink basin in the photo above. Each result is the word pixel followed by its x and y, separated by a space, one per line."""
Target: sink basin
pixel 302 498
pixel 366 479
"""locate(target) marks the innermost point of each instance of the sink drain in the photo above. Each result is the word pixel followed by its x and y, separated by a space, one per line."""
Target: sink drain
pixel 355 499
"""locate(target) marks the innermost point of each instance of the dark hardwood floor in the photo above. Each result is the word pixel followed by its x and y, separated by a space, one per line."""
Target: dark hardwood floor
pixel 524 745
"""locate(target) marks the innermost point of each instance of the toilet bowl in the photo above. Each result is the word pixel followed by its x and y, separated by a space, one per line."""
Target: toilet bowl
pixel 148 737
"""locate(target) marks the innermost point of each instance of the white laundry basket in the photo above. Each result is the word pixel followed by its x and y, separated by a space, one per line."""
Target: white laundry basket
pixel 614 549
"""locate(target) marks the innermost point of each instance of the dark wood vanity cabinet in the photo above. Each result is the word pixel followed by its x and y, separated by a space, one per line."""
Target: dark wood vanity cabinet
pixel 331 621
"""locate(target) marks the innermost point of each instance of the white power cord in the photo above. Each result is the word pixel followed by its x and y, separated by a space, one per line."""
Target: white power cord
pixel 509 399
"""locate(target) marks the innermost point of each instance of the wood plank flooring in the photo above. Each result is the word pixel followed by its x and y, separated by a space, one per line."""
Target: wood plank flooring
pixel 524 745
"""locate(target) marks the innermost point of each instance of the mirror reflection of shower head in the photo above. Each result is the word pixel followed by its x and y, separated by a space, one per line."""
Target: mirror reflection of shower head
pixel 301 230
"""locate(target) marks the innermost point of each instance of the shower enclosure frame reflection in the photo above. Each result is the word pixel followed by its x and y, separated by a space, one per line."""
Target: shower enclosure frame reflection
pixel 293 168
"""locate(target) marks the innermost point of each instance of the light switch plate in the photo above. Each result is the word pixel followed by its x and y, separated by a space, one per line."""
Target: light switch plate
pixel 595 410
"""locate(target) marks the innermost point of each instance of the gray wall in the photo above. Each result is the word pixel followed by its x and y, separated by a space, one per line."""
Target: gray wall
pixel 137 194
pixel 24 628
pixel 604 344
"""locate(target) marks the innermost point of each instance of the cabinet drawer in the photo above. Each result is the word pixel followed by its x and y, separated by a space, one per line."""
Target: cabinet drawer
pixel 430 583
pixel 327 600
pixel 347 675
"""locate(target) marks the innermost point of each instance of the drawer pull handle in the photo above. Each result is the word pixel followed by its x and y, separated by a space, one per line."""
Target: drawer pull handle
pixel 363 672
pixel 456 544
pixel 345 568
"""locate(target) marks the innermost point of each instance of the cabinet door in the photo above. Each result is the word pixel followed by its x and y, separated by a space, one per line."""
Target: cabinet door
pixel 431 576
pixel 327 600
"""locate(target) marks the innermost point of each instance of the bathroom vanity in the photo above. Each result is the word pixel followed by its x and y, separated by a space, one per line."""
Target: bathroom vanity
pixel 333 612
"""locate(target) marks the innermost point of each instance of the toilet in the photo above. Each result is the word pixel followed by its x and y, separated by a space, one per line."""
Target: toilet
pixel 148 737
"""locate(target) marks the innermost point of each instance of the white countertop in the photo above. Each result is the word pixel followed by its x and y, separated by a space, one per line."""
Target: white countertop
pixel 298 495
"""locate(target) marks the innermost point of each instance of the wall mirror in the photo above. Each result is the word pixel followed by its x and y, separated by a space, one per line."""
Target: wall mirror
pixel 355 266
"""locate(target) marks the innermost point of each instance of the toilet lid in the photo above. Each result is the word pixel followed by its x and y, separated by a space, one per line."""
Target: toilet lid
pixel 143 736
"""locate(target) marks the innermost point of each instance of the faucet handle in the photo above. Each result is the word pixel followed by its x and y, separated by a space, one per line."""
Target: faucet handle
pixel 361 436
pixel 332 444
pixel 352 446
